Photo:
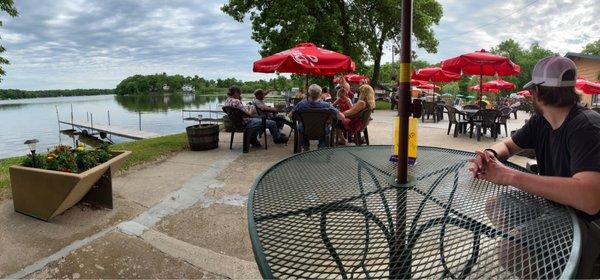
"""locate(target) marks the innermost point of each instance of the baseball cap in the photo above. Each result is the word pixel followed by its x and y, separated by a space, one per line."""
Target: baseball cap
pixel 553 71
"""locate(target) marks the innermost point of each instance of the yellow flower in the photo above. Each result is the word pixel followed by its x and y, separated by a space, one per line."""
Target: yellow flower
pixel 80 149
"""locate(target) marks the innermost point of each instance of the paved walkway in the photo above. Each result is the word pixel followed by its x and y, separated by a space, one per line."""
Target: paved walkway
pixel 183 217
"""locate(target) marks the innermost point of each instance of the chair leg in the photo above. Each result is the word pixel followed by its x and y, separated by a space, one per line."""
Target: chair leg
pixel 265 134
pixel 505 130
pixel 478 133
pixel 366 133
pixel 456 129
pixel 231 141
pixel 246 142
pixel 357 139
pixel 449 127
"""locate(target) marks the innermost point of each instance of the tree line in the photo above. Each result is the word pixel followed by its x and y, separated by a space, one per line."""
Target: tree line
pixel 20 94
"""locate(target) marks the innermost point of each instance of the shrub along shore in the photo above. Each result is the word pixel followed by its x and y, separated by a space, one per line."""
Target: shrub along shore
pixel 143 151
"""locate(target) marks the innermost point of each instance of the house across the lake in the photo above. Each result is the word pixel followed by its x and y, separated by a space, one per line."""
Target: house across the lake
pixel 588 67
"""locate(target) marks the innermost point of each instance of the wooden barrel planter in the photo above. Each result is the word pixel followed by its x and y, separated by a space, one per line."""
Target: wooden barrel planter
pixel 227 124
pixel 203 137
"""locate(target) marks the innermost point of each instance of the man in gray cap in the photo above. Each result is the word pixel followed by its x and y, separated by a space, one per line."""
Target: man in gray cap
pixel 566 140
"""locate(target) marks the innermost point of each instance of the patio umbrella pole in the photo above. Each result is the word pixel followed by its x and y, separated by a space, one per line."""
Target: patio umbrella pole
pixel 480 85
pixel 399 257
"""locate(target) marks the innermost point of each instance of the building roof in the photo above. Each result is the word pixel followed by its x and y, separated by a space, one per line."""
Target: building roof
pixel 581 55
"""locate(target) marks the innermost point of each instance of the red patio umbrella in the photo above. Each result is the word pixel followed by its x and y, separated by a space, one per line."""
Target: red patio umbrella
pixel 524 93
pixel 481 63
pixel 435 74
pixel 428 86
pixel 587 87
pixel 499 84
pixel 476 88
pixel 415 83
pixel 306 58
pixel 351 78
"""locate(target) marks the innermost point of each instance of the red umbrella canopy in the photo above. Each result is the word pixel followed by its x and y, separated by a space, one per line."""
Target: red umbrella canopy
pixel 305 58
pixel 524 93
pixel 435 74
pixel 351 78
pixel 588 87
pixel 414 82
pixel 428 86
pixel 476 88
pixel 481 63
pixel 499 84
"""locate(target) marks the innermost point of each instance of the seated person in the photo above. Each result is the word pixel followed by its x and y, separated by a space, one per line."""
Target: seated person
pixel 342 102
pixel 313 101
pixel 566 140
pixel 234 99
pixel 299 94
pixel 366 100
pixel 325 96
pixel 271 113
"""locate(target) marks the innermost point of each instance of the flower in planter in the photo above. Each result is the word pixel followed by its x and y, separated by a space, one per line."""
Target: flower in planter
pixel 66 159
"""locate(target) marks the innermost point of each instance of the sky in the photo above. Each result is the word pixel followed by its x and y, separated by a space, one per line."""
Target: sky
pixel 67 44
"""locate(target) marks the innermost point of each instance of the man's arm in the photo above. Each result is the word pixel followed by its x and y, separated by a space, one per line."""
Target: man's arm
pixel 581 191
pixel 504 150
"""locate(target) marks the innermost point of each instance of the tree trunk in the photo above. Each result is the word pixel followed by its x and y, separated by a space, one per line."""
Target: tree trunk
pixel 344 22
pixel 377 63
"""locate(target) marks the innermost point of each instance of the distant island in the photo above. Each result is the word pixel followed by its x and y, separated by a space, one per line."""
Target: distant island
pixel 21 94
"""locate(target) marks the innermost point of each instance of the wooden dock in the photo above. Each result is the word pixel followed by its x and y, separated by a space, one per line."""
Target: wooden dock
pixel 109 129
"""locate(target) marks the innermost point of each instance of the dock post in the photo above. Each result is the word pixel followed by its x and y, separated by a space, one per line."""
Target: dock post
pixel 140 120
pixel 87 116
pixel 108 113
pixel 92 122
pixel 72 125
pixel 58 118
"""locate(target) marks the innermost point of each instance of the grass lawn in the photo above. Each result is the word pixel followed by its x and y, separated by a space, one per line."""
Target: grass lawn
pixel 142 151
pixel 382 104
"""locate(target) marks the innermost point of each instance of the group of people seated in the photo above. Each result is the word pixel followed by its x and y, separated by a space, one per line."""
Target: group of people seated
pixel 347 113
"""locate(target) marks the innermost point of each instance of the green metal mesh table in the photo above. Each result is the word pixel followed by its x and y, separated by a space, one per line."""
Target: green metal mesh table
pixel 336 213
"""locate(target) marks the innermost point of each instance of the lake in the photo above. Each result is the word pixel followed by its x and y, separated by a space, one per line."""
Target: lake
pixel 24 119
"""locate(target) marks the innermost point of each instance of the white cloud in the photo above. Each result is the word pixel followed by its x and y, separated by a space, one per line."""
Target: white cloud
pixel 97 43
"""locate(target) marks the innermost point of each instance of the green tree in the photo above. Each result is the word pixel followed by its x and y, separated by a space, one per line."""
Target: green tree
pixel 592 48
pixel 526 58
pixel 379 22
pixel 357 28
pixel 8 7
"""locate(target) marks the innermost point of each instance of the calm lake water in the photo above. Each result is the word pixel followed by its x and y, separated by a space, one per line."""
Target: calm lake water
pixel 37 118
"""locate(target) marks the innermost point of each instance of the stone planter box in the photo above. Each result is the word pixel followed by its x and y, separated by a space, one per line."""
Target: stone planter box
pixel 44 194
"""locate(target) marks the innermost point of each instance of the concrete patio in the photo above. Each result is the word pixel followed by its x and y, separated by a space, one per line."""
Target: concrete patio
pixel 182 217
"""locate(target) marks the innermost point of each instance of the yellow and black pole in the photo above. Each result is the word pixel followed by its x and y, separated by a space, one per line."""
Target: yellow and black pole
pixel 404 92
pixel 400 257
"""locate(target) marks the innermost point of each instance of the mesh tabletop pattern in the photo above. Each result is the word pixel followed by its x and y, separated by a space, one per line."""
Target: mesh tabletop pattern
pixel 335 213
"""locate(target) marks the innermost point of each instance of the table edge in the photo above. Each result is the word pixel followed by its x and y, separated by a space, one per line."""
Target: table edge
pixel 569 271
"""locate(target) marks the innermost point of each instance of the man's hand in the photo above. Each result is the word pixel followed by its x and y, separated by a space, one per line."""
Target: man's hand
pixel 487 167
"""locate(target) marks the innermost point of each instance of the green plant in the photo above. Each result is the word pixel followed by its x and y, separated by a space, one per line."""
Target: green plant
pixel 66 159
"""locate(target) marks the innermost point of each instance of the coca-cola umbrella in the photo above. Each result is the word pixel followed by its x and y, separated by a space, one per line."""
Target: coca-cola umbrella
pixel 351 78
pixel 485 89
pixel 524 93
pixel 435 74
pixel 481 63
pixel 306 58
pixel 587 87
pixel 428 86
pixel 415 83
pixel 499 84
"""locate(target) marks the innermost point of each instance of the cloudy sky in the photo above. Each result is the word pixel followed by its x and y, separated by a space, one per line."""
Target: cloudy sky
pixel 96 43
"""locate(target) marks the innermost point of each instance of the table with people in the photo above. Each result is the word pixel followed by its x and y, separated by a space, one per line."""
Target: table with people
pixel 341 121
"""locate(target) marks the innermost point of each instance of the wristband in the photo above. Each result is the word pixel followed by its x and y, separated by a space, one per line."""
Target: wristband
pixel 493 152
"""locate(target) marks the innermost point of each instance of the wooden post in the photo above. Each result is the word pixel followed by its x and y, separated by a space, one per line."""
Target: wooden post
pixel 140 120
pixel 92 122
pixel 72 125
pixel 108 113
pixel 57 119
